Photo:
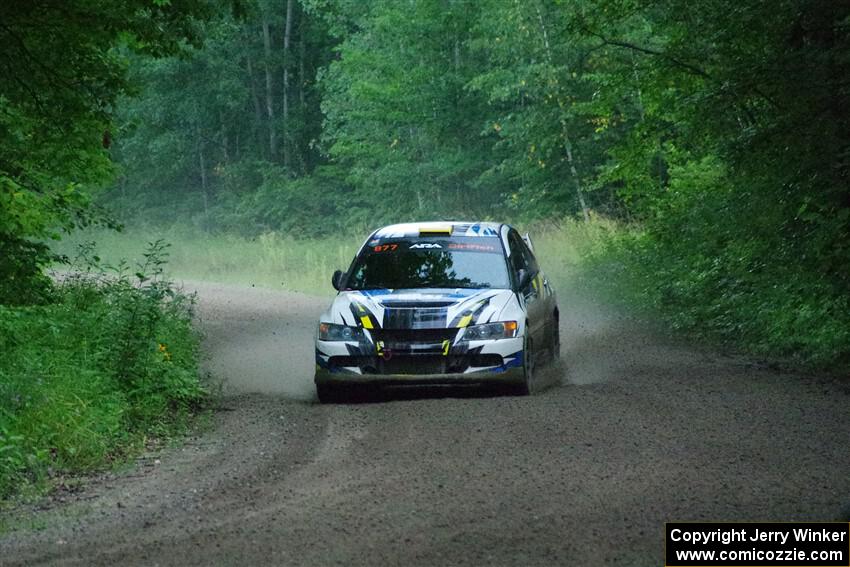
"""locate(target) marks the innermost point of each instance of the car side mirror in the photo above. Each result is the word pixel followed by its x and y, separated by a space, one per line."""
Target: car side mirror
pixel 336 279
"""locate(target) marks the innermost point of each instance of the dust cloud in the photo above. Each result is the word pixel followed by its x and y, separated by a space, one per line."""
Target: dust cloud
pixel 600 343
pixel 262 341
pixel 258 340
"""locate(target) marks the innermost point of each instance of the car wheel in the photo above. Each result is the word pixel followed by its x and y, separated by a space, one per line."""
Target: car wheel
pixel 555 347
pixel 329 394
pixel 524 388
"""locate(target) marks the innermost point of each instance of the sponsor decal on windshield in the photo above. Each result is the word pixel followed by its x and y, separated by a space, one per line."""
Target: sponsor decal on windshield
pixel 377 247
pixel 472 246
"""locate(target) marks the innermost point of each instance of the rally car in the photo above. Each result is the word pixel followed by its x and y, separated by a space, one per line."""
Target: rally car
pixel 438 303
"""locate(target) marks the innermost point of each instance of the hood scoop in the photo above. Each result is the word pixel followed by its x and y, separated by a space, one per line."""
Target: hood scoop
pixel 422 316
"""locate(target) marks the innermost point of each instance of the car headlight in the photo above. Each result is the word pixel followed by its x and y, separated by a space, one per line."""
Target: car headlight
pixel 333 332
pixel 490 331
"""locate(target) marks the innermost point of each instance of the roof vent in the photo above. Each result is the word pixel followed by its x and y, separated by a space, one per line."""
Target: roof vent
pixel 435 231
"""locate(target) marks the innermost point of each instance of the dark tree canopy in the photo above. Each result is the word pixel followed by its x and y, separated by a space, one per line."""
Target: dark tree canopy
pixel 63 67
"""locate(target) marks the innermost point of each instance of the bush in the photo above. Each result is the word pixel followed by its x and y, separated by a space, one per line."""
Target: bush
pixel 21 265
pixel 711 266
pixel 86 379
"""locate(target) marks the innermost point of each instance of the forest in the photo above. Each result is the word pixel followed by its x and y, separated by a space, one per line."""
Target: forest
pixel 719 132
pixel 710 139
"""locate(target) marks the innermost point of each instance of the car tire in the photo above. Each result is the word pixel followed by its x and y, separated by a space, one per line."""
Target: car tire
pixel 329 394
pixel 555 346
pixel 528 362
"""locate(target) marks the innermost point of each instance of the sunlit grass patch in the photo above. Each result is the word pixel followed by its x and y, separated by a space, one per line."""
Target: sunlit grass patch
pixel 277 261
pixel 271 260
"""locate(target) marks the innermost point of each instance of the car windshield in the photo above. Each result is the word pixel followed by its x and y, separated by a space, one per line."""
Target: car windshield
pixel 455 263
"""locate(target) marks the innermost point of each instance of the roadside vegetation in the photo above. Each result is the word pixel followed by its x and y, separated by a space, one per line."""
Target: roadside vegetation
pixel 96 364
pixel 106 363
pixel 273 260
pixel 753 297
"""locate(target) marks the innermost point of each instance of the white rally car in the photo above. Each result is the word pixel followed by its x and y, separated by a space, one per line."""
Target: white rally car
pixel 437 303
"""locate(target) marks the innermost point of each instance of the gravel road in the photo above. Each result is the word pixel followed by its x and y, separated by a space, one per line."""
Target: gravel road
pixel 633 431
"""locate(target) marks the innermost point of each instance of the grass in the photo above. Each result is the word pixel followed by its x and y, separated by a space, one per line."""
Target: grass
pixel 564 246
pixel 706 294
pixel 271 260
pixel 88 378
pixel 712 293
pixel 278 261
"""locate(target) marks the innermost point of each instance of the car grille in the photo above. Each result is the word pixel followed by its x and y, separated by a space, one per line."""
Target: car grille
pixel 423 364
pixel 401 338
pixel 418 351
pixel 407 351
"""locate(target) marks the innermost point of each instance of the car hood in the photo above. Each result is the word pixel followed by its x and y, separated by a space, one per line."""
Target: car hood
pixel 418 308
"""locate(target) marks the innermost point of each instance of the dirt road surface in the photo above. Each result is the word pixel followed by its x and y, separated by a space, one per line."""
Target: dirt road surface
pixel 633 431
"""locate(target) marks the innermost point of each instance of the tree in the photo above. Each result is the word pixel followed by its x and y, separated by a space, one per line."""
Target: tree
pixel 397 114
pixel 62 71
pixel 233 102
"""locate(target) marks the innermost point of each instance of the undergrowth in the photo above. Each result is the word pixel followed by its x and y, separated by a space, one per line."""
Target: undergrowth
pixel 89 377
pixel 277 260
pixel 739 294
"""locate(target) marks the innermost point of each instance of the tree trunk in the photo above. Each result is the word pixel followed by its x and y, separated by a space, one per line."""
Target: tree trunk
pixel 286 36
pixel 568 146
pixel 225 151
pixel 302 55
pixel 258 108
pixel 267 45
pixel 202 165
pixel 302 84
pixel 641 109
pixel 457 55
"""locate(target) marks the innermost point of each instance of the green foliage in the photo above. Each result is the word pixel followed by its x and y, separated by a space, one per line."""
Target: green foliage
pixel 545 134
pixel 21 264
pixel 736 170
pixel 709 270
pixel 398 116
pixel 197 144
pixel 766 309
pixel 85 379
pixel 289 206
pixel 62 74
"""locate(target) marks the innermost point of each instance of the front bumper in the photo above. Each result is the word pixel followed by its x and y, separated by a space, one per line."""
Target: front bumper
pixel 509 376
pixel 420 362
